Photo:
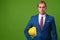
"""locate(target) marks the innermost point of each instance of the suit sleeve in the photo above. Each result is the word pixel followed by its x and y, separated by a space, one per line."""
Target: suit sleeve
pixel 26 30
pixel 54 33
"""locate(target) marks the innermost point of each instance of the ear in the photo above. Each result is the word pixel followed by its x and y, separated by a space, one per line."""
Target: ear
pixel 46 7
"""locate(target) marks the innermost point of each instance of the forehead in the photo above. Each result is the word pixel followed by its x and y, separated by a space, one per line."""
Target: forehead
pixel 41 4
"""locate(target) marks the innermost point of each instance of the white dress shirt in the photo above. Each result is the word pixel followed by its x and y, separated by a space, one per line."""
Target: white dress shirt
pixel 39 18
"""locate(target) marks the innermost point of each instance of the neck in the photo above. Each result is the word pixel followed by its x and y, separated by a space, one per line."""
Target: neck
pixel 42 13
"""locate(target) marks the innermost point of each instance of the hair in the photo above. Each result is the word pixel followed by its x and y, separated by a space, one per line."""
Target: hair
pixel 41 3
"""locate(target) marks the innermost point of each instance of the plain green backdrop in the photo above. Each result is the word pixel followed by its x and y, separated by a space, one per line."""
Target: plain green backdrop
pixel 15 14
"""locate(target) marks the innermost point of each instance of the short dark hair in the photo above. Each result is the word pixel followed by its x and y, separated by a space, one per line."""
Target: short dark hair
pixel 41 2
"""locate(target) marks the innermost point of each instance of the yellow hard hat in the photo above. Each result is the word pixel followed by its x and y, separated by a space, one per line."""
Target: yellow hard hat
pixel 32 31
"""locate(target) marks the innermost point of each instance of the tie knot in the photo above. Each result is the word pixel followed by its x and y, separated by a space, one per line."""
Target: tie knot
pixel 41 17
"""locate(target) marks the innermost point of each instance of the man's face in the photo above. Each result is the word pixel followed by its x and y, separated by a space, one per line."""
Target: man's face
pixel 42 8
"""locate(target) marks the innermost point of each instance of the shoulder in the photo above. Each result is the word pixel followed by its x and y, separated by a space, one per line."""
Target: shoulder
pixel 50 17
pixel 34 16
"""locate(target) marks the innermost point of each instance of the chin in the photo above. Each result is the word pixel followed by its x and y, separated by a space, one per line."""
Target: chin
pixel 42 13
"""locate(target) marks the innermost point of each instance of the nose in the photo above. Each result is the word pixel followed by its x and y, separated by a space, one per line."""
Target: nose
pixel 41 8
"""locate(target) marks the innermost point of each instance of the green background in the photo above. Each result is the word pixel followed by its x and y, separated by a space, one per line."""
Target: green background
pixel 15 14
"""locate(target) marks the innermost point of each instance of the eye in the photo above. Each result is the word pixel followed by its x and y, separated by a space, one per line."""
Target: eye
pixel 43 7
pixel 39 7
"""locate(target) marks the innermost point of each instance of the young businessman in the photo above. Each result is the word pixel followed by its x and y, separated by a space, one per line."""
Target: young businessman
pixel 44 23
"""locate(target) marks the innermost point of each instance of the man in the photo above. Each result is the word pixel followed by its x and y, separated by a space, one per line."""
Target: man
pixel 45 24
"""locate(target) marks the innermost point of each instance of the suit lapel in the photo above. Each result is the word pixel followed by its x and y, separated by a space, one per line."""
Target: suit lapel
pixel 38 26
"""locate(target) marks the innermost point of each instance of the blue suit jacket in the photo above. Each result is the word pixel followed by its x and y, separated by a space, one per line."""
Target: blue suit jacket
pixel 47 33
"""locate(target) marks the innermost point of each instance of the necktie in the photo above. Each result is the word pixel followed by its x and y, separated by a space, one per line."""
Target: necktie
pixel 41 23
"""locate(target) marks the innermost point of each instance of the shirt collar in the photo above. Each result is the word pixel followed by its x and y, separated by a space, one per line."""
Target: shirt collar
pixel 42 15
